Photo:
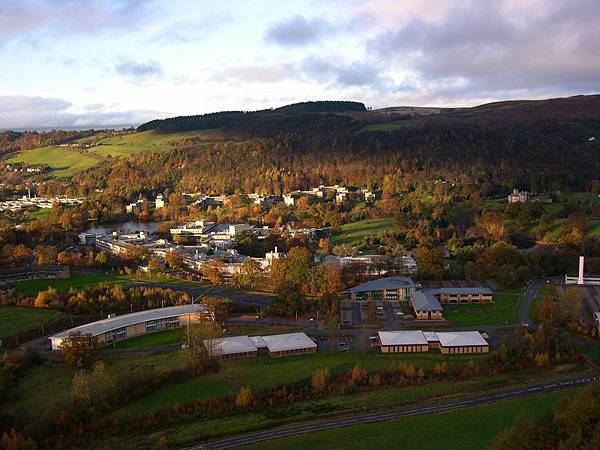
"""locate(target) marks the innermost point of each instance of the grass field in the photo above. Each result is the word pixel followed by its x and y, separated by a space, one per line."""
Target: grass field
pixel 353 233
pixel 205 429
pixel 77 280
pixel 470 428
pixel 263 372
pixel 391 126
pixel 66 161
pixel 63 161
pixel 475 314
pixel 152 340
pixel 15 320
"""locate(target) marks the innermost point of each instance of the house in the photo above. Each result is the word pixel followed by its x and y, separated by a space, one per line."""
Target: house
pixel 118 328
pixel 160 201
pixel 519 197
pixel 389 288
pixel 448 342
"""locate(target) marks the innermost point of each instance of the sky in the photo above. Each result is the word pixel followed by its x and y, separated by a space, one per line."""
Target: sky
pixel 93 63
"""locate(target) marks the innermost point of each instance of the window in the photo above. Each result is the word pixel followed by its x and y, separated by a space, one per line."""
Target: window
pixel 391 294
pixel 116 334
pixel 150 326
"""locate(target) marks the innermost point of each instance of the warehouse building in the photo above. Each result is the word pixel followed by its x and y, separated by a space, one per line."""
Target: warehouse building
pixel 118 328
pixel 448 342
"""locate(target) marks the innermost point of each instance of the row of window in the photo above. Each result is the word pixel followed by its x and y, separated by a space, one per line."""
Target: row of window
pixel 115 335
pixel 407 348
pixel 468 349
pixel 162 324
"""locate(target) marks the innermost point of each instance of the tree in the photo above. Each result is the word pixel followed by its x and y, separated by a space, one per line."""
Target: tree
pixel 288 300
pixel 213 271
pixel 79 350
pixel 250 273
pixel 244 398
pixel 358 375
pixel 217 308
pixel 430 263
pixel 45 255
pixel 94 389
pixel 174 259
pixel 319 380
pixel 202 352
pixel 8 378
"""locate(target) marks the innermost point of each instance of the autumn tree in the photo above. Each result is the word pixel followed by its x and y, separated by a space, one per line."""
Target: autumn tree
pixel 319 379
pixel 244 398
pixel 202 351
pixel 217 307
pixel 79 350
pixel 94 389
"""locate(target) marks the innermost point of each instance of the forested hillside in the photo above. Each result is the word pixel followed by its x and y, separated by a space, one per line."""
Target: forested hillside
pixel 272 152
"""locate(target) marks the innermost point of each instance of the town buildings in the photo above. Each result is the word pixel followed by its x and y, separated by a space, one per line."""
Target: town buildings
pixel 118 328
pixel 389 288
pixel 519 196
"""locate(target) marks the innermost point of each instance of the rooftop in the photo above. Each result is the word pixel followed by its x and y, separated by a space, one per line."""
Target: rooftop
pixel 102 326
pixel 412 337
pixel 425 301
pixel 382 284
pixel 286 342
pixel 460 338
pixel 231 345
pixel 462 291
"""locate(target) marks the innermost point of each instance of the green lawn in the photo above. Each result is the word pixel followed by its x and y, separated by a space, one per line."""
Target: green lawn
pixel 475 314
pixel 470 428
pixel 390 126
pixel 262 372
pixel 353 233
pixel 64 161
pixel 77 280
pixel 15 320
pixel 152 340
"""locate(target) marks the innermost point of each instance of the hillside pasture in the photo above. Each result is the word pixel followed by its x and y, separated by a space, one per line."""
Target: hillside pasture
pixel 63 161
pixel 353 233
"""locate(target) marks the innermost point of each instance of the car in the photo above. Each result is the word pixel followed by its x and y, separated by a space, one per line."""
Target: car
pixel 342 346
pixel 399 313
pixel 380 306
pixel 373 338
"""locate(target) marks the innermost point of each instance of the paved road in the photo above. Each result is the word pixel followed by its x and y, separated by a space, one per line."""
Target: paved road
pixel 380 417
pixel 527 300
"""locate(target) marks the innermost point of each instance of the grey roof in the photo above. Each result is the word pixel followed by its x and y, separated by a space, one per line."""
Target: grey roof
pixel 231 345
pixel 460 338
pixel 425 301
pixel 382 284
pixel 289 341
pixel 411 337
pixel 102 326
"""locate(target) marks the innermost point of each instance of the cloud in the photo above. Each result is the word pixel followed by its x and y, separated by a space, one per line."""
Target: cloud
pixel 139 69
pixel 298 31
pixel 256 73
pixel 499 49
pixel 20 17
pixel 357 73
pixel 24 112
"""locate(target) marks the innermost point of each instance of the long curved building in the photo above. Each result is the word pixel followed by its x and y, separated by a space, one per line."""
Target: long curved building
pixel 118 328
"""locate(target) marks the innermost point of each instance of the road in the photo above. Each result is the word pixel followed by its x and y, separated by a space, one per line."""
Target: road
pixel 527 300
pixel 391 415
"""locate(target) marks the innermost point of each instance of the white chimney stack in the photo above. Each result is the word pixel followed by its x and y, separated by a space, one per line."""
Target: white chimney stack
pixel 581 263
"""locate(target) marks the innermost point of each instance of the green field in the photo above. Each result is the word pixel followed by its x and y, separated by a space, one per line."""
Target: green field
pixel 15 320
pixel 262 372
pixel 63 161
pixel 66 161
pixel 77 280
pixel 470 428
pixel 353 233
pixel 501 312
pixel 152 340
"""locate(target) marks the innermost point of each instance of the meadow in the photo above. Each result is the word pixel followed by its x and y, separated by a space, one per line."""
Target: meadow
pixel 353 233
pixel 501 312
pixel 77 280
pixel 15 320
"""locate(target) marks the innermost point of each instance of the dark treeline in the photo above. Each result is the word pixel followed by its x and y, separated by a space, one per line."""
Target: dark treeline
pixel 12 141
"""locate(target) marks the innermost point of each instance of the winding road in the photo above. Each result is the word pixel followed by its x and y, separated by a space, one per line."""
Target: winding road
pixel 391 415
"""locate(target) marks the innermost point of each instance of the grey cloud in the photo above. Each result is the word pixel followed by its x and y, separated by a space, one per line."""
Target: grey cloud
pixel 298 31
pixel 23 112
pixel 139 69
pixel 484 48
pixel 256 73
pixel 355 74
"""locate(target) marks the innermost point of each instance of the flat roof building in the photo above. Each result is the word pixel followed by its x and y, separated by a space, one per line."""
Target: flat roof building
pixel 403 341
pixel 426 306
pixel 135 324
